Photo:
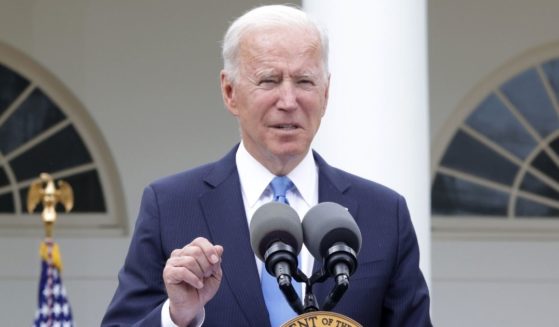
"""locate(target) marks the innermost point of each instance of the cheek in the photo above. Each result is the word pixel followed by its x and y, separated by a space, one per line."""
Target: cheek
pixel 314 110
pixel 264 99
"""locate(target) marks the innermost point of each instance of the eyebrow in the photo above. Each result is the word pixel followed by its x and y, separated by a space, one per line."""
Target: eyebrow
pixel 266 73
pixel 307 75
pixel 273 73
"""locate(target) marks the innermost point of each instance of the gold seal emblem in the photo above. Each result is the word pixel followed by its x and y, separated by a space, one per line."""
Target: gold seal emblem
pixel 321 319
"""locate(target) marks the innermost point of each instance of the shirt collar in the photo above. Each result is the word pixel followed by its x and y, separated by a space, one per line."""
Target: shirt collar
pixel 305 178
pixel 254 177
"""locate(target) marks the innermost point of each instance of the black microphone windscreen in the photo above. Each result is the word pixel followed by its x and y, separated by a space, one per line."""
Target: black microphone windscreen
pixel 329 223
pixel 274 222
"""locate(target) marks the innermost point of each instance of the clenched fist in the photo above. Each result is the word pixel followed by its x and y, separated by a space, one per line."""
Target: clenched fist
pixel 192 276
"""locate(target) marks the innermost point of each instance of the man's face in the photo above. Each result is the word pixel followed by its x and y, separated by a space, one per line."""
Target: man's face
pixel 279 95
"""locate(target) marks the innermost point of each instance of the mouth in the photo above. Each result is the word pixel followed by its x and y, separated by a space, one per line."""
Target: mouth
pixel 285 127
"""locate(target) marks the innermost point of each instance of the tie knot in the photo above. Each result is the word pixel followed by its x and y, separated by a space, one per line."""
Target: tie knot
pixel 280 185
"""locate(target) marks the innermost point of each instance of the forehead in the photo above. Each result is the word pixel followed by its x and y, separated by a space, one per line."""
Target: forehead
pixel 280 43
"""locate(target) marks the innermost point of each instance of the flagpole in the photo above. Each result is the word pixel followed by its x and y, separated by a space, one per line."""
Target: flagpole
pixel 53 306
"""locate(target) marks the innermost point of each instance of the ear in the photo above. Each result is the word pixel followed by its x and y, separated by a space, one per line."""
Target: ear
pixel 326 95
pixel 228 93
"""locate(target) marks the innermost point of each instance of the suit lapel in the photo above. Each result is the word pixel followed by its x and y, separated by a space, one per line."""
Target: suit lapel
pixel 226 218
pixel 333 187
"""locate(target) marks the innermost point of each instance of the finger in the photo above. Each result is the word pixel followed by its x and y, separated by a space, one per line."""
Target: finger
pixel 218 273
pixel 199 251
pixel 200 242
pixel 198 254
pixel 210 251
pixel 219 250
pixel 177 275
pixel 187 262
pixel 216 267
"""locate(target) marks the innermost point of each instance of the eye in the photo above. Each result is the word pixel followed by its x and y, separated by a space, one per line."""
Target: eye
pixel 306 82
pixel 268 81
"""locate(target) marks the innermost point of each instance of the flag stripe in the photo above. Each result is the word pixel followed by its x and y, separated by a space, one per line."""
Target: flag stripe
pixel 53 305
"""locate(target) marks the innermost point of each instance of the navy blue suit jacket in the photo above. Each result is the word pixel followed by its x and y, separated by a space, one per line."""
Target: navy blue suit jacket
pixel 387 289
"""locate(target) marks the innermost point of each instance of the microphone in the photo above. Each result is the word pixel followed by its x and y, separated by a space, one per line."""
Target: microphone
pixel 332 235
pixel 276 237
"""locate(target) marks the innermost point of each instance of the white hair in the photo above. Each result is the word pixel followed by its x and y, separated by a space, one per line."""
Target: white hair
pixel 265 17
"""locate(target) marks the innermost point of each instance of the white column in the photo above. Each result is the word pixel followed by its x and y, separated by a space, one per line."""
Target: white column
pixel 376 124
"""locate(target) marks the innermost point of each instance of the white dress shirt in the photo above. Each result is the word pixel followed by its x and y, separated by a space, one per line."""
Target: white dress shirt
pixel 255 189
pixel 255 180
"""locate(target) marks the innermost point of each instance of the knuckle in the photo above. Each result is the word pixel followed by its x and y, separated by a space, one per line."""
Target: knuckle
pixel 196 251
pixel 189 261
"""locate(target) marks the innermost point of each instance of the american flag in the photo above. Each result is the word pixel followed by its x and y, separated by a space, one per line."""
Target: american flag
pixel 54 308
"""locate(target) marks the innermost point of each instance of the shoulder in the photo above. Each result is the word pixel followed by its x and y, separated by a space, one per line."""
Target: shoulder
pixel 366 184
pixel 365 189
pixel 194 176
pixel 199 178
pixel 352 184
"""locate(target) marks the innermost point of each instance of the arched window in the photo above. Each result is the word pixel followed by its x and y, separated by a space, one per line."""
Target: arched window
pixel 497 167
pixel 44 128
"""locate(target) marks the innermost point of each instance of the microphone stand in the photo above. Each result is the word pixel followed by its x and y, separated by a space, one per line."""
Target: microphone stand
pixel 309 303
pixel 281 257
pixel 342 284
pixel 337 253
pixel 341 261
pixel 290 294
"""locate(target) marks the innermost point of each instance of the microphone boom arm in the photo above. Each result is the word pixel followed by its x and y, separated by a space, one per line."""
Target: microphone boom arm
pixel 280 261
pixel 342 284
pixel 338 253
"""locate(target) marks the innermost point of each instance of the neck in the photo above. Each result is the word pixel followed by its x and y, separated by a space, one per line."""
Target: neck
pixel 277 165
pixel 281 167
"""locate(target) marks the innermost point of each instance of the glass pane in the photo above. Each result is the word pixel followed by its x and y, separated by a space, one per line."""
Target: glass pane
pixel 453 196
pixel 526 208
pixel 508 132
pixel 87 192
pixel 7 203
pixel 528 95
pixel 544 164
pixel 3 178
pixel 36 114
pixel 532 184
pixel 11 86
pixel 555 146
pixel 551 70
pixel 468 155
pixel 62 150
pixel 88 195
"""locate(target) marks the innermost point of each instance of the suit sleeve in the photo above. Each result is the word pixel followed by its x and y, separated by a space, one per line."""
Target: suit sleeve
pixel 407 298
pixel 141 292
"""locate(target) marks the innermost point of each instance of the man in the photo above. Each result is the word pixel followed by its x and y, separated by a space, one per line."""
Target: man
pixel 190 260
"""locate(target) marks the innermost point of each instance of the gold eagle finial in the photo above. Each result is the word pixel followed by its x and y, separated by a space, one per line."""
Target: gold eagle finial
pixel 49 195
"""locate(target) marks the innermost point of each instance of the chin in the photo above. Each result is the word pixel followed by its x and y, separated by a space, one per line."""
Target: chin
pixel 290 150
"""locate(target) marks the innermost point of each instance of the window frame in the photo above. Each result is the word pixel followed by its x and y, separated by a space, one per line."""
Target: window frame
pixel 114 220
pixel 490 227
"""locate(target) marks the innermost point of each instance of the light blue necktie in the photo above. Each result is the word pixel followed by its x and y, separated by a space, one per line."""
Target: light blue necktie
pixel 280 185
pixel 278 308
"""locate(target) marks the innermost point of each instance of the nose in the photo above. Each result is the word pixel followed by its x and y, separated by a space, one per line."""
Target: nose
pixel 287 96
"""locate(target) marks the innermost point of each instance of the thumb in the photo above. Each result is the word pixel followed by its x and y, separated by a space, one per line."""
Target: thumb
pixel 219 250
